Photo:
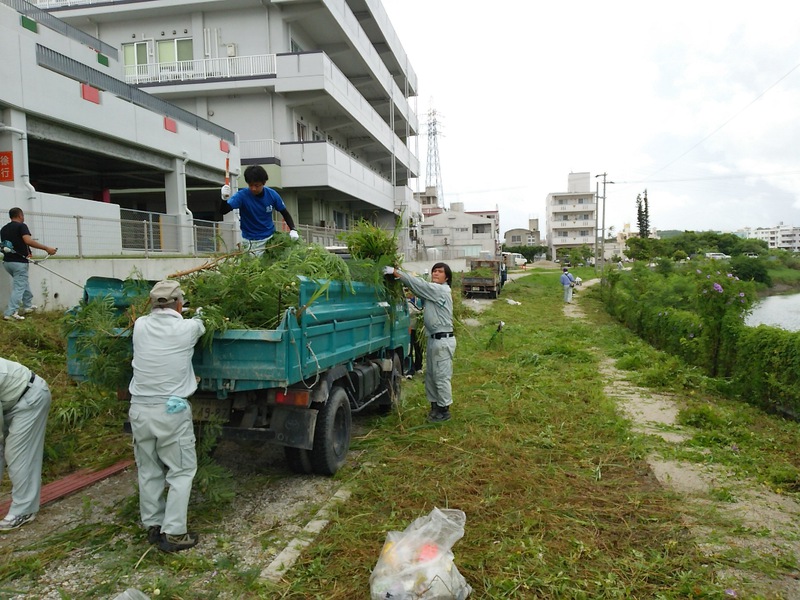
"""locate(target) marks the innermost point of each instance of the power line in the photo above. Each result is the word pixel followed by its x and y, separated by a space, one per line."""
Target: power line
pixel 756 99
pixel 713 177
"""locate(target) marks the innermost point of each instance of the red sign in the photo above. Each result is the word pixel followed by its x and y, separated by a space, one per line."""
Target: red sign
pixel 6 166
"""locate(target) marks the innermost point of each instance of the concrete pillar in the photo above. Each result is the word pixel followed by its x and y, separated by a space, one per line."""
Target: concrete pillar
pixel 177 207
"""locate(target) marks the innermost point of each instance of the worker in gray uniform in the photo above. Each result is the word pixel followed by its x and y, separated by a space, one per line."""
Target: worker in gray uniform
pixel 25 401
pixel 161 416
pixel 437 314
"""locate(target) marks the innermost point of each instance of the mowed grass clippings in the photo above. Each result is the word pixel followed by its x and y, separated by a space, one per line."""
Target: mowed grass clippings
pixel 559 502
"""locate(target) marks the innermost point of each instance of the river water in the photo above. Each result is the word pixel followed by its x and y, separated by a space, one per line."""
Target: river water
pixel 778 311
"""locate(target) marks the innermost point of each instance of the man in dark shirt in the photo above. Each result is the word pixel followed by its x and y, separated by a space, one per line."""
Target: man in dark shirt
pixel 16 240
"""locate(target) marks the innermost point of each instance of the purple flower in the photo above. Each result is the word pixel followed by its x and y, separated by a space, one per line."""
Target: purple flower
pixel 691 335
pixel 717 288
pixel 699 272
pixel 741 294
pixel 730 275
pixel 708 276
pixel 705 291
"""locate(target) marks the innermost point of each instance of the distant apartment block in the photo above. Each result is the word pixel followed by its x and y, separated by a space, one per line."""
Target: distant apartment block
pixel 572 215
pixel 782 237
pixel 524 237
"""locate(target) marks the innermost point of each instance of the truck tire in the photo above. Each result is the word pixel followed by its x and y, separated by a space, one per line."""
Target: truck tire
pixel 332 433
pixel 393 383
pixel 299 460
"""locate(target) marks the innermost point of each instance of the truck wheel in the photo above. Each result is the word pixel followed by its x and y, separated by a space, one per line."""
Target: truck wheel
pixel 332 433
pixel 299 460
pixel 393 384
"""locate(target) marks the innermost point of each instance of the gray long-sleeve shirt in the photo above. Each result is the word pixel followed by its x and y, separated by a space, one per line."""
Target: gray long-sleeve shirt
pixel 438 308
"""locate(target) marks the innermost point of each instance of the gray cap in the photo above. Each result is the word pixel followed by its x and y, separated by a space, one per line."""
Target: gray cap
pixel 166 292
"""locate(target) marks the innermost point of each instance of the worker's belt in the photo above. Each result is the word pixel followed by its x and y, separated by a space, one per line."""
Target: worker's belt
pixel 438 336
pixel 30 383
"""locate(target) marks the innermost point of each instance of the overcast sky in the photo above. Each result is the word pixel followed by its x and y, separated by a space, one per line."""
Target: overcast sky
pixel 697 102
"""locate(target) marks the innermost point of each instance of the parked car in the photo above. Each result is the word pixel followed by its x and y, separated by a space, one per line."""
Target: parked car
pixel 717 256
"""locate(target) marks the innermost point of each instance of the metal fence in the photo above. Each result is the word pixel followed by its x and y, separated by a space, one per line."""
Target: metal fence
pixel 135 233
pixel 138 233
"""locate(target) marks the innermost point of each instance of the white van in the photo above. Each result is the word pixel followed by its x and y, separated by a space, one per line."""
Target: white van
pixel 717 256
pixel 514 259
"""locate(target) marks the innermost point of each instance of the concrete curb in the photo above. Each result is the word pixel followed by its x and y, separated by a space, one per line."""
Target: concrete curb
pixel 289 555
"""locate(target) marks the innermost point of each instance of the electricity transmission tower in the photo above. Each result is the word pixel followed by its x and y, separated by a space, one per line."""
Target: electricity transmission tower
pixel 433 173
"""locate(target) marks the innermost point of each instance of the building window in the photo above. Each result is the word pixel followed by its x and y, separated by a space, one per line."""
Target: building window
pixel 302 131
pixel 563 234
pixel 340 220
pixel 170 51
pixel 295 47
pixel 584 233
pixel 437 231
pixel 134 55
pixel 516 239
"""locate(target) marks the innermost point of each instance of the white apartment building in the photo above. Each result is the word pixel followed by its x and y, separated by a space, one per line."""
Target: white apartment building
pixel 572 215
pixel 457 234
pixel 783 237
pixel 318 92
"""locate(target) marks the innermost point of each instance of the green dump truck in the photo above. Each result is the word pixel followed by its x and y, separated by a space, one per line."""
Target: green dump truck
pixel 298 384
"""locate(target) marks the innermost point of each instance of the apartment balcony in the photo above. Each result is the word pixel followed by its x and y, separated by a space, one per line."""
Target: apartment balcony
pixel 572 207
pixel 573 224
pixel 266 151
pixel 261 65
pixel 573 240
pixel 322 165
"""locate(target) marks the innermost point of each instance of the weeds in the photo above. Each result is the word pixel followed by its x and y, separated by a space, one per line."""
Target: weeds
pixel 559 501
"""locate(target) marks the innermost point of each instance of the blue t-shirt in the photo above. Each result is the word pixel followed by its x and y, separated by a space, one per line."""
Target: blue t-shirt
pixel 255 213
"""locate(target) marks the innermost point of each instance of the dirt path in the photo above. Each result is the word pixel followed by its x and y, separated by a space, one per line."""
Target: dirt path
pixel 766 525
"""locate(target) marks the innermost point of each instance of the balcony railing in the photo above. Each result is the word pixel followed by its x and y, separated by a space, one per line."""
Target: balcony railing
pixel 208 68
pixel 260 149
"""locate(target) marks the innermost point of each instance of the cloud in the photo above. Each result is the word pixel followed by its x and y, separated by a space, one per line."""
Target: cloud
pixel 695 101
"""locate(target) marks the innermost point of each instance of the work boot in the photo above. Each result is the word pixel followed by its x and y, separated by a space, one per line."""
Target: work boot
pixel 434 409
pixel 176 543
pixel 154 534
pixel 441 414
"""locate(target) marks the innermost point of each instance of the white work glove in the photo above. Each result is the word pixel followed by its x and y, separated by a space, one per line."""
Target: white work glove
pixel 198 311
pixel 294 235
pixel 225 192
pixel 388 270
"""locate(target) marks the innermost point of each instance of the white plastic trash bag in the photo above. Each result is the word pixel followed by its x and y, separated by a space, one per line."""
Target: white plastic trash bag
pixel 417 564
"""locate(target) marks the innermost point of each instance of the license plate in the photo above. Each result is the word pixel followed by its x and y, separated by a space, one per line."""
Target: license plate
pixel 207 409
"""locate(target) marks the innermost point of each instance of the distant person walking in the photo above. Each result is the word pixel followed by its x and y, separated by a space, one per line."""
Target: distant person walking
pixel 16 241
pixel 24 404
pixel 568 282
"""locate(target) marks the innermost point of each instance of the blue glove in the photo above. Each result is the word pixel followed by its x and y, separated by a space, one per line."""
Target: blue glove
pixel 176 405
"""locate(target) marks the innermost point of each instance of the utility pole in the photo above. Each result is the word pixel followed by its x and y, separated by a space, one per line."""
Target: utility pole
pixel 603 226
pixel 596 221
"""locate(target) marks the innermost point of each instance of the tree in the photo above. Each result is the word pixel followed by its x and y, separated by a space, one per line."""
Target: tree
pixel 643 215
pixel 639 248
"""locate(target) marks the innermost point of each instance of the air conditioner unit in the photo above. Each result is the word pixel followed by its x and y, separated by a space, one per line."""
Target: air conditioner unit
pixel 231 50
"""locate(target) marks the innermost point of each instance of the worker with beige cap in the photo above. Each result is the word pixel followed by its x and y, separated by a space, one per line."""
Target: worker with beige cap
pixel 161 417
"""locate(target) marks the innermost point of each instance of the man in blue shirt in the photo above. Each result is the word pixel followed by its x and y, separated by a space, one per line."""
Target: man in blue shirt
pixel 256 204
pixel 568 281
